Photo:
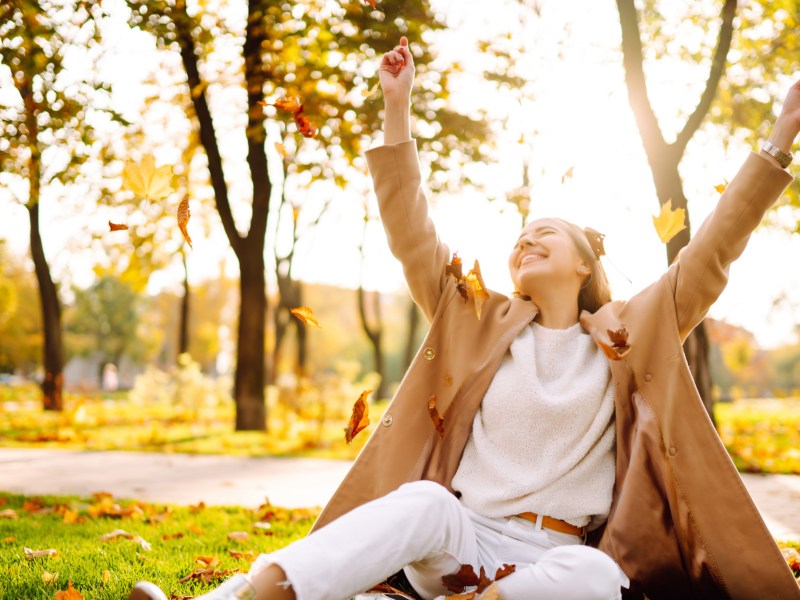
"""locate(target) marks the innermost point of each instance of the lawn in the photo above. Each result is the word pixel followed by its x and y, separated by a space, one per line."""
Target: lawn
pixel 185 550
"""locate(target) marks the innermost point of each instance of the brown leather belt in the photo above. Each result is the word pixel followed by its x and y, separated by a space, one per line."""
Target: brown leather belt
pixel 554 524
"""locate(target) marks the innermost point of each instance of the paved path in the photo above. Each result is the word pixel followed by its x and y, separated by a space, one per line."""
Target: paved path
pixel 188 479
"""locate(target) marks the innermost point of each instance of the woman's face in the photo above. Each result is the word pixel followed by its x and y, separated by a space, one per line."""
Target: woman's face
pixel 545 254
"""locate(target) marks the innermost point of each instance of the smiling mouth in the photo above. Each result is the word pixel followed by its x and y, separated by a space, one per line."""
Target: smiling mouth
pixel 531 258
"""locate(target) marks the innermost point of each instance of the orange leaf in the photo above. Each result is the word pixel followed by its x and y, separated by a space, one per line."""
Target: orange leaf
pixel 195 529
pixel 477 287
pixel 281 150
pixel 183 218
pixel 206 561
pixel 195 508
pixel 372 3
pixel 454 267
pixel 306 315
pixel 116 226
pixel 69 594
pixel 619 338
pixel 290 104
pixel 438 420
pixel 504 571
pixel 304 126
pixel 567 174
pixel 359 419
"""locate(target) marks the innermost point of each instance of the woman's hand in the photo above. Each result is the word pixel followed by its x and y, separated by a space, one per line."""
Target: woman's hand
pixel 787 126
pixel 397 72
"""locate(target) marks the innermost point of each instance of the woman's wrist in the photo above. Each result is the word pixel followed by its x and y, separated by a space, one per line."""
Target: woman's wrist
pixel 783 134
pixel 397 121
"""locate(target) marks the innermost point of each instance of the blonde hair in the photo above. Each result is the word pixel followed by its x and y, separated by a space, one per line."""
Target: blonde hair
pixel 595 291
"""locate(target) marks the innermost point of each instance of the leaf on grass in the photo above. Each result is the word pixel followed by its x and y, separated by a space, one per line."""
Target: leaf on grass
pixel 206 561
pixel 124 534
pixel 147 181
pixel 239 536
pixel 49 577
pixel 438 420
pixel 669 223
pixel 69 594
pixel 29 554
pixel 248 555
pixel 195 529
pixel 8 513
pixel 465 577
pixel 196 508
pixel 475 284
pixel 306 315
pixel 71 517
pixel 106 577
pixel 33 506
pixel 720 187
pixel 567 174
pixel 183 219
pixel 3 501
pixel 359 419
pixel 262 525
pixel 208 575
pixel 172 536
pixel 281 150
pixel 10 539
pixel 116 226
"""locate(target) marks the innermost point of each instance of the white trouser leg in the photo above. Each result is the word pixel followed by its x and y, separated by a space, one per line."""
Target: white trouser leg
pixel 420 521
pixel 567 573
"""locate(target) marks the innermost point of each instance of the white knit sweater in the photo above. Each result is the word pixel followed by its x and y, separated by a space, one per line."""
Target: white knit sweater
pixel 543 438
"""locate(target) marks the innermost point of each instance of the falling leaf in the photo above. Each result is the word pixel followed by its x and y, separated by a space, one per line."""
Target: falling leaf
pixel 29 554
pixel 8 513
pixel 372 3
pixel 304 126
pixel 147 181
pixel 465 577
pixel 281 150
pixel 619 338
pixel 306 315
pixel 183 218
pixel 455 268
pixel 360 417
pixel 720 187
pixel 504 571
pixel 567 174
pixel 116 226
pixel 669 222
pixel 438 421
pixel 239 536
pixel 475 283
pixel 69 594
pixel 369 93
pixel 49 577
pixel 290 104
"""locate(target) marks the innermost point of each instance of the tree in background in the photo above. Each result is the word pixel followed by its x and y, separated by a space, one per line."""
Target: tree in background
pixel 20 317
pixel 103 323
pixel 46 134
pixel 320 51
pixel 664 158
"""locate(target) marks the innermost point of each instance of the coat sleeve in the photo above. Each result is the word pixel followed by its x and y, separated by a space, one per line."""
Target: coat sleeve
pixel 409 230
pixel 700 272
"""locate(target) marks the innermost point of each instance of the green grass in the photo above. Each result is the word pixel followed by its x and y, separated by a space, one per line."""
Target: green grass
pixel 107 570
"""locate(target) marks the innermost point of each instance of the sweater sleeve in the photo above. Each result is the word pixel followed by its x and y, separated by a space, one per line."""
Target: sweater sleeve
pixel 700 272
pixel 409 230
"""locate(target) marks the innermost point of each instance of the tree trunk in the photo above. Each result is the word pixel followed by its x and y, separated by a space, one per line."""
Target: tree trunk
pixel 52 383
pixel 183 335
pixel 411 339
pixel 249 379
pixel 664 158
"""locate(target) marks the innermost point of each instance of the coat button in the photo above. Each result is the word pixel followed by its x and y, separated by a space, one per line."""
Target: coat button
pixel 648 376
pixel 672 450
pixel 387 420
pixel 429 353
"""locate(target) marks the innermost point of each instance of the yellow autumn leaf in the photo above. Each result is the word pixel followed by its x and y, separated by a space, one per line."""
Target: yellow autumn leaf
pixel 106 576
pixel 477 287
pixel 369 93
pixel 306 315
pixel 669 222
pixel 146 180
pixel 49 577
pixel 720 187
pixel 281 150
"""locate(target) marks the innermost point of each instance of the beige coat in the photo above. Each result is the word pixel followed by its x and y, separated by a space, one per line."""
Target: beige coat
pixel 682 524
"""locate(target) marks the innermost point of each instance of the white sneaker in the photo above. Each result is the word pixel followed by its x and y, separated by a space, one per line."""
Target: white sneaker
pixel 144 590
pixel 238 587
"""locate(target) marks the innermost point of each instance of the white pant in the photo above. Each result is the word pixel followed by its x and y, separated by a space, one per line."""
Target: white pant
pixel 425 530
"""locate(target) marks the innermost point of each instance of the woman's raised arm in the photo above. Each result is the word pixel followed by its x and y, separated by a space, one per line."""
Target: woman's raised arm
pixel 398 185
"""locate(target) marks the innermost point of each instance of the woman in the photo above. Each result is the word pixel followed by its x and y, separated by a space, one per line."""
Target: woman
pixel 568 419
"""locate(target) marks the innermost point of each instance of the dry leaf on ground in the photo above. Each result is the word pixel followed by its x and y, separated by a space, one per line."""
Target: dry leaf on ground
pixel 49 577
pixel 29 554
pixel 239 536
pixel 124 534
pixel 69 594
pixel 8 513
